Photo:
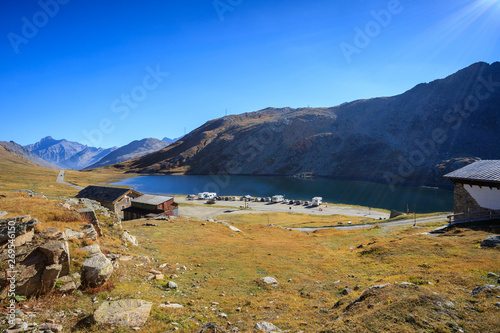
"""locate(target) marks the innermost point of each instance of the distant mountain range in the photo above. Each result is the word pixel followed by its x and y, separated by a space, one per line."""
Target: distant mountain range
pixel 168 140
pixel 132 150
pixel 52 153
pixel 412 138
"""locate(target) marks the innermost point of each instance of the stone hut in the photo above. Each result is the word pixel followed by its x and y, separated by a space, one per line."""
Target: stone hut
pixel 477 188
pixel 116 199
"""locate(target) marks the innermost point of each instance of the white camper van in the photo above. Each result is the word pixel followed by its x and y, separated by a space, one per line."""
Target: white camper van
pixel 317 201
pixel 278 198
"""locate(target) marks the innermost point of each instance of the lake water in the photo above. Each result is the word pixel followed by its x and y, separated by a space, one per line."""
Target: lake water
pixel 419 199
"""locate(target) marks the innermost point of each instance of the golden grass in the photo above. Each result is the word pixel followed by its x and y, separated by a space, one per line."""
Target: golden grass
pixel 312 270
pixel 296 220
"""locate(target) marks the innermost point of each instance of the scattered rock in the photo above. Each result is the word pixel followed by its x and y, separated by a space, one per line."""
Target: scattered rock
pixel 484 289
pixel 492 275
pixel 125 258
pixel 172 285
pixel 96 270
pixel 150 225
pixel 92 250
pixel 266 327
pixel 171 306
pixel 492 241
pixel 127 237
pixel 163 265
pixel 3 213
pixel 126 313
pixel 270 281
pixel 70 287
pixel 71 234
pixel 212 328
pixel 346 291
pixel 51 327
pixel 154 272
pixel 497 304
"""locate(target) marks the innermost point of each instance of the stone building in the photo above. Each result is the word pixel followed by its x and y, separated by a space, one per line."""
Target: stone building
pixel 151 206
pixel 477 188
pixel 116 199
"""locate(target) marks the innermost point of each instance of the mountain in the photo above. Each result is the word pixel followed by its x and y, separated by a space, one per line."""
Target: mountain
pixel 9 158
pixel 132 150
pixel 86 157
pixel 168 140
pixel 412 138
pixel 20 150
pixel 55 151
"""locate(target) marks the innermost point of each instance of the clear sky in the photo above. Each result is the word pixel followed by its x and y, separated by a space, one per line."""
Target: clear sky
pixel 109 72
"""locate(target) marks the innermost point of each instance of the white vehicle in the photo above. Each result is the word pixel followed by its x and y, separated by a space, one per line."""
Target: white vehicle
pixel 317 201
pixel 207 196
pixel 278 198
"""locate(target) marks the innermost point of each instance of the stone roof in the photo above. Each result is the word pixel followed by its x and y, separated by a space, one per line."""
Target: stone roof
pixel 481 171
pixel 103 194
pixel 154 200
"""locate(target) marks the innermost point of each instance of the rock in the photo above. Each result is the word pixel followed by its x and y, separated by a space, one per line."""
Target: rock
pixel 492 241
pixel 24 229
pixel 484 289
pixel 67 206
pixel 346 291
pixel 3 213
pixel 125 313
pixel 51 327
pixel 57 253
pixel 71 234
pixel 89 232
pixel 172 285
pixel 92 250
pixel 154 271
pixel 212 328
pixel 70 287
pixel 266 327
pixel 125 258
pixel 223 315
pixel 96 270
pixel 492 275
pixel 270 281
pixel 163 265
pixel 159 276
pixel 497 304
pixel 127 237
pixel 150 225
pixel 171 306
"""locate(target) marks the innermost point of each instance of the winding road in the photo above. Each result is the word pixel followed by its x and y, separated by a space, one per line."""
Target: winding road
pixel 60 179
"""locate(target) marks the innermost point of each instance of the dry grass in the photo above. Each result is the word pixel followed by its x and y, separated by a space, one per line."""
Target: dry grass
pixel 296 220
pixel 312 270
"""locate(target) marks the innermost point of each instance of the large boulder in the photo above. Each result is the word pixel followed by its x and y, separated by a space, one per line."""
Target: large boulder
pixel 492 241
pixel 39 261
pixel 89 232
pixel 126 313
pixel 96 270
pixel 71 234
pixel 269 281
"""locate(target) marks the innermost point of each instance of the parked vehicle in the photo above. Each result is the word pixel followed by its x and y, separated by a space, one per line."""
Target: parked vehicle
pixel 298 202
pixel 277 198
pixel 317 201
pixel 286 201
pixel 307 203
pixel 191 197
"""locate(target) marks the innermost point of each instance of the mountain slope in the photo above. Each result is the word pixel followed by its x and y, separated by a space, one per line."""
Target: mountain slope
pixel 410 138
pixel 18 149
pixel 132 150
pixel 86 157
pixel 55 151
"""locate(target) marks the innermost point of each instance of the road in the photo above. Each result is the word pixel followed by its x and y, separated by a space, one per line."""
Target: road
pixel 60 179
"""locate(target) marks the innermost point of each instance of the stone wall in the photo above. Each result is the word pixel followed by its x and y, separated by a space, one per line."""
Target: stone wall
pixel 464 202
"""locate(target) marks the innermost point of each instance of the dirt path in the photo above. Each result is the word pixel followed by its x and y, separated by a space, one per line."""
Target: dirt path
pixel 60 179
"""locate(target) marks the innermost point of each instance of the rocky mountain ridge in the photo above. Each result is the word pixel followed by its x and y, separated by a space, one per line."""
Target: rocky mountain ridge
pixel 411 138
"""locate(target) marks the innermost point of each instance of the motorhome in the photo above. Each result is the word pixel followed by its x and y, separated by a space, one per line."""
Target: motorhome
pixel 317 201
pixel 278 198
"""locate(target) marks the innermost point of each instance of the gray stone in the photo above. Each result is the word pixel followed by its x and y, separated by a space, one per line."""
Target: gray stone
pixel 483 289
pixel 172 285
pixel 3 213
pixel 212 328
pixel 70 287
pixel 171 306
pixel 346 291
pixel 89 232
pixel 57 252
pixel 492 275
pixel 266 327
pixel 492 241
pixel 71 234
pixel 96 270
pixel 92 249
pixel 497 304
pixel 127 237
pixel 270 281
pixel 51 327
pixel 50 275
pixel 125 313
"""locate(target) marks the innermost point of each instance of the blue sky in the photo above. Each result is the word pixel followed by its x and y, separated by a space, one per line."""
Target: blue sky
pixel 109 72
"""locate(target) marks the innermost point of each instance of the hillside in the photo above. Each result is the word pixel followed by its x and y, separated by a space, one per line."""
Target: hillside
pixel 134 149
pixel 20 150
pixel 410 138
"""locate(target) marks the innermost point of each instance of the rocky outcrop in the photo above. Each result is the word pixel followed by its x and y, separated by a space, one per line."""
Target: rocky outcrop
pixel 97 269
pixel 128 238
pixel 491 241
pixel 40 258
pixel 125 313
